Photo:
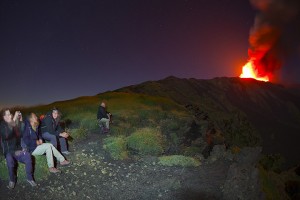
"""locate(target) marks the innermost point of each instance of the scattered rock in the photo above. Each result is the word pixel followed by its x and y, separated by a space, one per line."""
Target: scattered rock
pixel 242 182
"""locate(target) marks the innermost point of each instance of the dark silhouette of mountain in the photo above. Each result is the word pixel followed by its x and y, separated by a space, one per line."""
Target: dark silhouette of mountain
pixel 272 109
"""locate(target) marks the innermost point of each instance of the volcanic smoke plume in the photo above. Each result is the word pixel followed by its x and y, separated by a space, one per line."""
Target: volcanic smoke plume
pixel 275 34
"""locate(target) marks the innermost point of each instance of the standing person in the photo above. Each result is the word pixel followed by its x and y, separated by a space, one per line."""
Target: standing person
pixel 103 116
pixel 10 131
pixel 33 143
pixel 52 131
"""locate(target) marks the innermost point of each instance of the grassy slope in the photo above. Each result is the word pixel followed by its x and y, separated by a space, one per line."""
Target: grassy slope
pixel 126 107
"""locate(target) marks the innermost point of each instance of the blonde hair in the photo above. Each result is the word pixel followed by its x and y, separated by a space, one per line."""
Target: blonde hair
pixel 36 123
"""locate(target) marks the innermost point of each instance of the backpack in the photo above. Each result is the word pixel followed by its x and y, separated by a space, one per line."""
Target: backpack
pixel 42 117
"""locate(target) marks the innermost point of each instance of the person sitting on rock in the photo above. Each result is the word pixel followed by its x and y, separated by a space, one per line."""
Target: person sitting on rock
pixel 52 131
pixel 10 131
pixel 104 117
pixel 33 143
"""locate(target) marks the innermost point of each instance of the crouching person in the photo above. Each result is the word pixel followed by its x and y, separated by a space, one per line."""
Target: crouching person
pixel 104 117
pixel 52 131
pixel 32 142
pixel 10 130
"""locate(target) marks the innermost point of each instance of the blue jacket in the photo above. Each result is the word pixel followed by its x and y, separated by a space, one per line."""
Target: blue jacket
pixel 30 137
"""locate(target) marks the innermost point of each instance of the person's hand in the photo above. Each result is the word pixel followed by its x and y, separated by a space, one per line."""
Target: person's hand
pixel 16 116
pixel 20 117
pixel 64 135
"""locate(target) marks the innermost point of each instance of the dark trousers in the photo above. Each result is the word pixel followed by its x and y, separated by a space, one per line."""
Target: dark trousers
pixel 56 141
pixel 11 162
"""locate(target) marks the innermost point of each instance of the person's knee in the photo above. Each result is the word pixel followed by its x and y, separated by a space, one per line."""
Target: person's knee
pixel 53 140
pixel 47 145
pixel 27 158
pixel 48 136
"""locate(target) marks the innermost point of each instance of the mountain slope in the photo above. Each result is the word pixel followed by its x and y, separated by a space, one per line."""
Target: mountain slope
pixel 273 110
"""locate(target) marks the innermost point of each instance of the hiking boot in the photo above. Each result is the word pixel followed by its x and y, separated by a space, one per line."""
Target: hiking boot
pixel 66 152
pixel 54 170
pixel 11 185
pixel 32 183
pixel 65 163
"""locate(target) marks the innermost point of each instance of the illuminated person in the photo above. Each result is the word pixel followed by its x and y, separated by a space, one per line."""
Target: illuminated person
pixel 52 131
pixel 32 142
pixel 103 116
pixel 10 131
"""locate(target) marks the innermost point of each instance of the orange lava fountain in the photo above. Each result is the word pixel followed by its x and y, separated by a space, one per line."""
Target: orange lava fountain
pixel 249 71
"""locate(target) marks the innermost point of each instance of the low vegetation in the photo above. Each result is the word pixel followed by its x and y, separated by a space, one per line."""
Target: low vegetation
pixel 178 160
pixel 78 133
pixel 117 147
pixel 41 169
pixel 130 111
pixel 146 141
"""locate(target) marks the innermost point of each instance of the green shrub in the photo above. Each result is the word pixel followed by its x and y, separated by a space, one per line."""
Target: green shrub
pixel 41 170
pixel 146 141
pixel 178 160
pixel 116 147
pixel 79 133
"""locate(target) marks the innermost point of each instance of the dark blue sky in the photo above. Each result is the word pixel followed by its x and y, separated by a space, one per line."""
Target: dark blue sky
pixel 58 49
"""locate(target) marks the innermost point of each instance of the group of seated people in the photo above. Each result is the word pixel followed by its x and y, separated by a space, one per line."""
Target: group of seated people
pixel 23 138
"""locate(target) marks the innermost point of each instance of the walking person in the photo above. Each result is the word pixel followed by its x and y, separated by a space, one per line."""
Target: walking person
pixel 33 143
pixel 10 131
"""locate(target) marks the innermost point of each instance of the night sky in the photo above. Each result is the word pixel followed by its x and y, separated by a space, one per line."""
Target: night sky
pixel 60 49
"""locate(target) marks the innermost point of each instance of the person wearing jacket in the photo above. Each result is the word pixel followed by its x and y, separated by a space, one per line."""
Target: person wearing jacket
pixel 103 116
pixel 33 143
pixel 10 131
pixel 52 131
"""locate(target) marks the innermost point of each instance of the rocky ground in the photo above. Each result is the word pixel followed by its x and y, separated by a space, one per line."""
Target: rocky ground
pixel 94 175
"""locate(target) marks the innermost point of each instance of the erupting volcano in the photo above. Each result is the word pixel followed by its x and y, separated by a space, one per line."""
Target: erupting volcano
pixel 268 41
pixel 250 71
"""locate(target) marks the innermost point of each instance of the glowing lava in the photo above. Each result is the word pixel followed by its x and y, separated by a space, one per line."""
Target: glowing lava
pixel 249 71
